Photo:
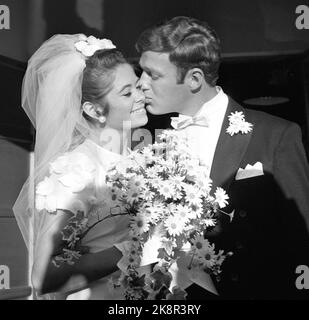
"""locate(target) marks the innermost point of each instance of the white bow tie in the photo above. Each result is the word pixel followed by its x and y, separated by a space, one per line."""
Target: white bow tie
pixel 183 121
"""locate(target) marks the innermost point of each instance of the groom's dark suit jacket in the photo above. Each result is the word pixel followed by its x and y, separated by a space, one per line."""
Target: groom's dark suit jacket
pixel 269 232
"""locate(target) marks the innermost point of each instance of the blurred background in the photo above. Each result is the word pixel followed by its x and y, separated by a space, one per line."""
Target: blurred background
pixel 265 66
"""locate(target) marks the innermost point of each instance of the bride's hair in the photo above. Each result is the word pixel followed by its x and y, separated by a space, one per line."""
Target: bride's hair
pixel 97 81
pixel 98 77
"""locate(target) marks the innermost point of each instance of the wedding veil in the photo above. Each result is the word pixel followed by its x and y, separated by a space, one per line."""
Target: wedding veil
pixel 51 97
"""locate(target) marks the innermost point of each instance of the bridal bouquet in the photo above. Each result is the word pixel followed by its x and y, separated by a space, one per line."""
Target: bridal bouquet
pixel 166 192
pixel 168 195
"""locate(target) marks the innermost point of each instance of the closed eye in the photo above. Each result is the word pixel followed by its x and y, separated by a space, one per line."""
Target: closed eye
pixel 151 74
pixel 128 94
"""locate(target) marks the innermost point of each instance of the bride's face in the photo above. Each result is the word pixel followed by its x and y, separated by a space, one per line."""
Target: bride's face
pixel 126 101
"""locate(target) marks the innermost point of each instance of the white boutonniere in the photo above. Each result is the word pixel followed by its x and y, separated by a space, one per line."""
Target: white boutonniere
pixel 238 124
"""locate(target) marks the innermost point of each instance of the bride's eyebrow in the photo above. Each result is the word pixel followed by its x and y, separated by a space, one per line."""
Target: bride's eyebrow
pixel 124 87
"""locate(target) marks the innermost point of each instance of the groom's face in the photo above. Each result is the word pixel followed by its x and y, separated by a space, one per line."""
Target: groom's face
pixel 159 83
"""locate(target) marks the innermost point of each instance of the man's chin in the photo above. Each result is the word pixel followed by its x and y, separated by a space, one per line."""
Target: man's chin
pixel 154 111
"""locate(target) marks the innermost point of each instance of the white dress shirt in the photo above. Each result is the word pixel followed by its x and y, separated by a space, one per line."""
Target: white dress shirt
pixel 203 140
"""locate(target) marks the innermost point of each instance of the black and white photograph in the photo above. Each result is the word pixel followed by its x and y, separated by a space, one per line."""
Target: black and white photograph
pixel 154 150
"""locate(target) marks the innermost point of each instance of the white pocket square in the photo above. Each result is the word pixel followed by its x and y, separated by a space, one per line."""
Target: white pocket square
pixel 250 171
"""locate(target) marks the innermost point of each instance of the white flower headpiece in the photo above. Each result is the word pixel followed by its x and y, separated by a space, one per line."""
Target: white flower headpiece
pixel 88 46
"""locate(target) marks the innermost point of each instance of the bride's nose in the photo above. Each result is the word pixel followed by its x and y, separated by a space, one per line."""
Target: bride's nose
pixel 139 94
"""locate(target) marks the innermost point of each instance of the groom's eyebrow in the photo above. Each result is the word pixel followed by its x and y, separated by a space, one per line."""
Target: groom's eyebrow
pixel 148 69
pixel 156 70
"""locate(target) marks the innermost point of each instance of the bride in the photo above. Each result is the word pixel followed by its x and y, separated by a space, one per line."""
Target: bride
pixel 80 94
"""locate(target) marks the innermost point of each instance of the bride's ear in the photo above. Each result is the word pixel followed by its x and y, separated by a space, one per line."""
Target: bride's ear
pixel 93 112
pixel 194 79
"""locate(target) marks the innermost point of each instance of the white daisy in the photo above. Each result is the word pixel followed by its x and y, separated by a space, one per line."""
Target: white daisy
pixel 132 195
pixel 177 195
pixel 204 184
pixel 140 224
pixel 193 196
pixel 200 244
pixel 173 225
pixel 232 129
pixel 245 127
pixel 221 197
pixel 209 259
pixel 177 178
pixel 196 211
pixel 177 181
pixel 184 212
pixel 166 189
pixel 209 222
pixel 147 195
pixel 156 182
pixel 152 172
pixel 137 182
pixel 236 117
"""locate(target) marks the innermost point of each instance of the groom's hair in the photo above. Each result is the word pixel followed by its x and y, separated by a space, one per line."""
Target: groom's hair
pixel 190 43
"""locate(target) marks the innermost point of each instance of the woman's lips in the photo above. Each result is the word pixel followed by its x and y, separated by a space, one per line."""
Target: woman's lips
pixel 140 109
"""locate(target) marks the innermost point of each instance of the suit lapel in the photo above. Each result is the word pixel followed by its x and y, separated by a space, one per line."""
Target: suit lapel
pixel 229 151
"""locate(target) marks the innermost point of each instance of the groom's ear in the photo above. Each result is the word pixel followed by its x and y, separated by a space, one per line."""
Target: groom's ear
pixel 194 79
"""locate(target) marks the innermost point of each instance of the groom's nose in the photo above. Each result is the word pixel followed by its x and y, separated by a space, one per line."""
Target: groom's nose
pixel 144 81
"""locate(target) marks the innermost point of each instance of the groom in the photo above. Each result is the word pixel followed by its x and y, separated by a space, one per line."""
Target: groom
pixel 257 158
